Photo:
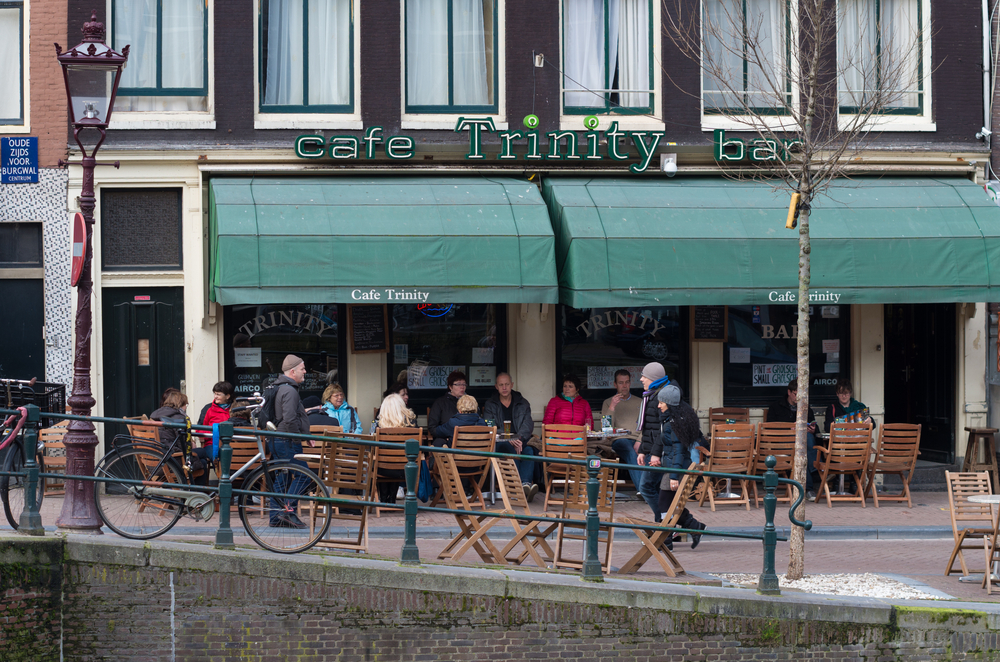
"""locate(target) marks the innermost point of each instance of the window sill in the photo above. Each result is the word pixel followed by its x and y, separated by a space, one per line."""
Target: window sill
pixel 266 121
pixel 898 124
pixel 151 121
pixel 446 122
pixel 15 128
pixel 747 124
pixel 625 123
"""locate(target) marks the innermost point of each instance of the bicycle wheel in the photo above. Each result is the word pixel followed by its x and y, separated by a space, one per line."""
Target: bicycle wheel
pixel 272 521
pixel 131 510
pixel 12 487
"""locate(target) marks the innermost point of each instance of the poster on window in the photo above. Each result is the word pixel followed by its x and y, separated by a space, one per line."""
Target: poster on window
pixel 774 374
pixel 603 376
pixel 482 375
pixel 247 357
pixel 430 376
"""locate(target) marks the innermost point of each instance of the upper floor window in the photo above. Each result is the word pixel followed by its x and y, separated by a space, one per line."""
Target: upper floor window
pixel 168 62
pixel 306 62
pixel 12 62
pixel 745 58
pixel 880 57
pixel 451 56
pixel 608 56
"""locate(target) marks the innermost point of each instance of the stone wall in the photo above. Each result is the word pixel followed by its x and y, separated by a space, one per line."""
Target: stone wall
pixel 30 591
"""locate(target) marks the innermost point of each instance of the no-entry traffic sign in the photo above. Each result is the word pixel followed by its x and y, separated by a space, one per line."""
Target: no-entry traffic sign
pixel 79 247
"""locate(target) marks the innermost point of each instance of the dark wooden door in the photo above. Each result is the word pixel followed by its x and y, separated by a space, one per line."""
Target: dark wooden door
pixel 22 352
pixel 920 374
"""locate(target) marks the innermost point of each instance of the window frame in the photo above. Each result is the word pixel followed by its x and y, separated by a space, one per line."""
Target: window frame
pixel 445 116
pixel 20 124
pixel 113 188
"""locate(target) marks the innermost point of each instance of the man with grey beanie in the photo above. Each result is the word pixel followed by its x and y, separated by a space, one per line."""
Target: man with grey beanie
pixel 291 417
pixel 653 378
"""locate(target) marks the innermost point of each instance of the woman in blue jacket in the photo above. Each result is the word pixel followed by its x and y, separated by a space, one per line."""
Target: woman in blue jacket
pixel 335 406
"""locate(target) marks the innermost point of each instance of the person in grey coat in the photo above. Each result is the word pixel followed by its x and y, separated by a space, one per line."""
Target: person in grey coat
pixel 290 416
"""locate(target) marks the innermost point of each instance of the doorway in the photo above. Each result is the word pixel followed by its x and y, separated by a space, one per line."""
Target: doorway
pixel 144 349
pixel 920 374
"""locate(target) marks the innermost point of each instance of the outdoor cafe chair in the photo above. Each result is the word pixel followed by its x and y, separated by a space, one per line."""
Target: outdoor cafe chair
pixel 727 415
pixel 846 454
pixel 896 455
pixel 527 533
pixel 390 462
pixel 574 509
pixel 559 442
pixel 777 439
pixel 54 456
pixel 969 520
pixel 347 470
pixel 472 525
pixel 472 469
pixel 731 452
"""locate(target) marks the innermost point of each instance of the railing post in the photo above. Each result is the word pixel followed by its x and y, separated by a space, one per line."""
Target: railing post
pixel 31 519
pixel 768 584
pixel 410 554
pixel 592 570
pixel 224 535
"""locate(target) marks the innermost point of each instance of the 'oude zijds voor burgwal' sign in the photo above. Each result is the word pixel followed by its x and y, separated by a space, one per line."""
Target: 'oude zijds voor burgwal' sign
pixel 19 160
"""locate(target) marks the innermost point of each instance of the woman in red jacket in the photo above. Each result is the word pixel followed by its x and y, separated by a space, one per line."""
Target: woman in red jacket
pixel 217 411
pixel 570 408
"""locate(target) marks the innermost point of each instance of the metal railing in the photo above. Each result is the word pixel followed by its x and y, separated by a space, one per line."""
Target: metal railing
pixel 30 522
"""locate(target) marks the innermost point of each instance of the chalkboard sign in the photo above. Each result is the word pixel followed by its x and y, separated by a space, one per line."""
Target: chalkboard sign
pixel 369 329
pixel 709 323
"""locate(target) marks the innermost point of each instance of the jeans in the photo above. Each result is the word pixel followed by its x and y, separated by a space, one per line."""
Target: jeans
pixel 283 449
pixel 525 468
pixel 646 482
pixel 810 458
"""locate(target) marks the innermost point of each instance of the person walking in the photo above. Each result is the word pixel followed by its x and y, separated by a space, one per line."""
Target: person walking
pixel 653 378
pixel 290 417
pixel 623 408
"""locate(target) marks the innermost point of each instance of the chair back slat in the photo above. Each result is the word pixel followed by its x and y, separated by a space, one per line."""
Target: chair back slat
pixel 393 459
pixel 962 485
pixel 576 488
pixel 473 438
pixel 850 446
pixel 346 466
pixel 509 483
pixel 328 430
pixel 732 447
pixel 777 439
pixel 451 483
pixel 726 414
pixel 898 447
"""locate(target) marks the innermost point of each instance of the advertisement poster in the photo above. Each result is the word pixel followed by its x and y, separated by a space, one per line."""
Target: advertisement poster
pixel 430 376
pixel 603 376
pixel 482 375
pixel 774 374
pixel 247 357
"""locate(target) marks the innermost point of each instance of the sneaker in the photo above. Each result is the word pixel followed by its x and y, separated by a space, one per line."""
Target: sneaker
pixel 696 537
pixel 810 496
pixel 530 490
pixel 401 493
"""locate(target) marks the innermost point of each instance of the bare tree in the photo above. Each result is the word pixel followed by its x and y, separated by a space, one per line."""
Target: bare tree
pixel 776 70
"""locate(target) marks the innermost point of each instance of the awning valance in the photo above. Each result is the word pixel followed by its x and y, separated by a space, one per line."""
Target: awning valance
pixel 715 241
pixel 380 240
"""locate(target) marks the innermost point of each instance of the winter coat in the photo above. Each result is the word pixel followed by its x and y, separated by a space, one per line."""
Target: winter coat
pixel 650 422
pixel 561 411
pixel 442 410
pixel 447 430
pixel 520 410
pixel 169 435
pixel 213 413
pixel 782 412
pixel 288 407
pixel 346 415
pixel 676 443
pixel 835 411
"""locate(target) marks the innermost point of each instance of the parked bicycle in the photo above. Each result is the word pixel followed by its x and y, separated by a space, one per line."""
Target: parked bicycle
pixel 12 450
pixel 151 505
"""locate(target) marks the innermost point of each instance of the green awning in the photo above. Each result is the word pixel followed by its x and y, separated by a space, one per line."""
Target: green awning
pixel 715 241
pixel 406 239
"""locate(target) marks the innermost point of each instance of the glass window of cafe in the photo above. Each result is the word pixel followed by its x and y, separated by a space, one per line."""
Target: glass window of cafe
pixel 759 357
pixel 259 337
pixel 595 342
pixel 429 341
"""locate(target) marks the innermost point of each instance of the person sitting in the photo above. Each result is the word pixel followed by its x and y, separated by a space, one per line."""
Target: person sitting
pixel 393 413
pixel 446 406
pixel 785 410
pixel 315 413
pixel 467 415
pixel 401 389
pixel 217 410
pixel 334 406
pixel 623 408
pixel 509 405
pixel 175 409
pixel 570 408
pixel 845 404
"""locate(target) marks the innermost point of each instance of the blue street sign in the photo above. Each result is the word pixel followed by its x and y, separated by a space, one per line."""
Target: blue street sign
pixel 19 160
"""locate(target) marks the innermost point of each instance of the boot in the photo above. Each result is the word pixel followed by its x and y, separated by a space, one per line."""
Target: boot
pixel 687 521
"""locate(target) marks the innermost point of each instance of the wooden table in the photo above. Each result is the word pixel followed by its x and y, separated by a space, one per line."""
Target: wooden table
pixel 995 500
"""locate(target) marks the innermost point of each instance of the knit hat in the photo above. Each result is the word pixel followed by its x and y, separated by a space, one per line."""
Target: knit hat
pixel 670 395
pixel 290 362
pixel 654 371
pixel 311 401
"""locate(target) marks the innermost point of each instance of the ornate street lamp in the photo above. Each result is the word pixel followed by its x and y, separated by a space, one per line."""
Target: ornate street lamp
pixel 92 71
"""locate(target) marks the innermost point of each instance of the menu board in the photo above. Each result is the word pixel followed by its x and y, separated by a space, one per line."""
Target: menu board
pixel 709 323
pixel 369 328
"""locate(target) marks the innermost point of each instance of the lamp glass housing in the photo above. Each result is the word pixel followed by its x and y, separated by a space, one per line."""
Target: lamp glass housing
pixel 91 87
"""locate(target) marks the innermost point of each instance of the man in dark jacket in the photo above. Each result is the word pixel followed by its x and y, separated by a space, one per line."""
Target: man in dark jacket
pixel 290 417
pixel 447 405
pixel 785 410
pixel 314 411
pixel 509 405
pixel 653 378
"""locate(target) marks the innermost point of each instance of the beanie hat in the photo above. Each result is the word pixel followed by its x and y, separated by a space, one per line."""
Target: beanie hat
pixel 311 401
pixel 670 395
pixel 654 371
pixel 290 362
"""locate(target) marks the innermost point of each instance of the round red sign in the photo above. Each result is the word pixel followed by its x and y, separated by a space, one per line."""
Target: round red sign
pixel 79 248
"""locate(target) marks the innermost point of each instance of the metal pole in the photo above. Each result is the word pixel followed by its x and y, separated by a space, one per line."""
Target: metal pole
pixel 224 536
pixel 410 554
pixel 31 519
pixel 592 570
pixel 768 584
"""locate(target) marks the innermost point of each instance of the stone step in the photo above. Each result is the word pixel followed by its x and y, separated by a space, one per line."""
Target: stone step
pixel 927 477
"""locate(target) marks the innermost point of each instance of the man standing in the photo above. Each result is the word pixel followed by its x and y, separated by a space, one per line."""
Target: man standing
pixel 623 408
pixel 509 405
pixel 785 410
pixel 290 417
pixel 447 405
pixel 653 378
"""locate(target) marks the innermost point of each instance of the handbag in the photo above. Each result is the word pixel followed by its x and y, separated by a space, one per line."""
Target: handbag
pixel 424 488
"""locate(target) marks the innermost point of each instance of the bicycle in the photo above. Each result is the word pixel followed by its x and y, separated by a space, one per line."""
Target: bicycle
pixel 12 487
pixel 147 509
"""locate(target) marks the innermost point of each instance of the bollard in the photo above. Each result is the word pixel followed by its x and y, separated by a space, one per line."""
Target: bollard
pixel 410 554
pixel 224 535
pixel 30 522
pixel 592 570
pixel 768 584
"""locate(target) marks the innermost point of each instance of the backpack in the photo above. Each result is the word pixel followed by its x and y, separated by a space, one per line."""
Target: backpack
pixel 268 413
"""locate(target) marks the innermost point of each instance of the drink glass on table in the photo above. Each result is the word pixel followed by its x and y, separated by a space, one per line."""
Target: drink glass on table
pixel 506 427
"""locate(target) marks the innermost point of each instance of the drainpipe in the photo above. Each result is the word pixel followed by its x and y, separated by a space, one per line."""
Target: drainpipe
pixel 984 133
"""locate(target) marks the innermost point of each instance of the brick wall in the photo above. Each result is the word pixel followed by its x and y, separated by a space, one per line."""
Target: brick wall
pixel 30 581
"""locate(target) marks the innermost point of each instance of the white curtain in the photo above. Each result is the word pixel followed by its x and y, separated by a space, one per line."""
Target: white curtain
pixel 329 52
pixel 10 63
pixel 135 24
pixel 471 82
pixel 901 51
pixel 183 43
pixel 283 75
pixel 723 74
pixel 633 51
pixel 756 40
pixel 766 49
pixel 583 56
pixel 427 52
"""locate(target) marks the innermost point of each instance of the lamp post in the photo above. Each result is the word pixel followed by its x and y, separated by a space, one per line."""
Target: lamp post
pixel 92 71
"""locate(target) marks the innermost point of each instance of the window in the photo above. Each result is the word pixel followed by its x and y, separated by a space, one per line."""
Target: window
pixel 759 358
pixel 746 57
pixel 140 229
pixel 595 342
pixel 168 62
pixel 306 63
pixel 12 62
pixel 608 56
pixel 20 245
pixel 451 56
pixel 880 57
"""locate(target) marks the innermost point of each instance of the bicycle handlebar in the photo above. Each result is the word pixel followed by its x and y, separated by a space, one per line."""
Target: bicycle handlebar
pixel 18 382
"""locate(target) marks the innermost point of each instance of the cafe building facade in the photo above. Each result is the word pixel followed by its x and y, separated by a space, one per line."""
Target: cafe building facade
pixel 394 227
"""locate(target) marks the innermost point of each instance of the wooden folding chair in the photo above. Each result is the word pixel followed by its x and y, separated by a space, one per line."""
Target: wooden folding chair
pixel 896 455
pixel 347 470
pixel 559 442
pixel 975 519
pixel 654 544
pixel 473 526
pixel 575 507
pixel 847 454
pixel 54 457
pixel 992 561
pixel 390 462
pixel 777 439
pixel 727 415
pixel 732 452
pixel 472 469
pixel 527 533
